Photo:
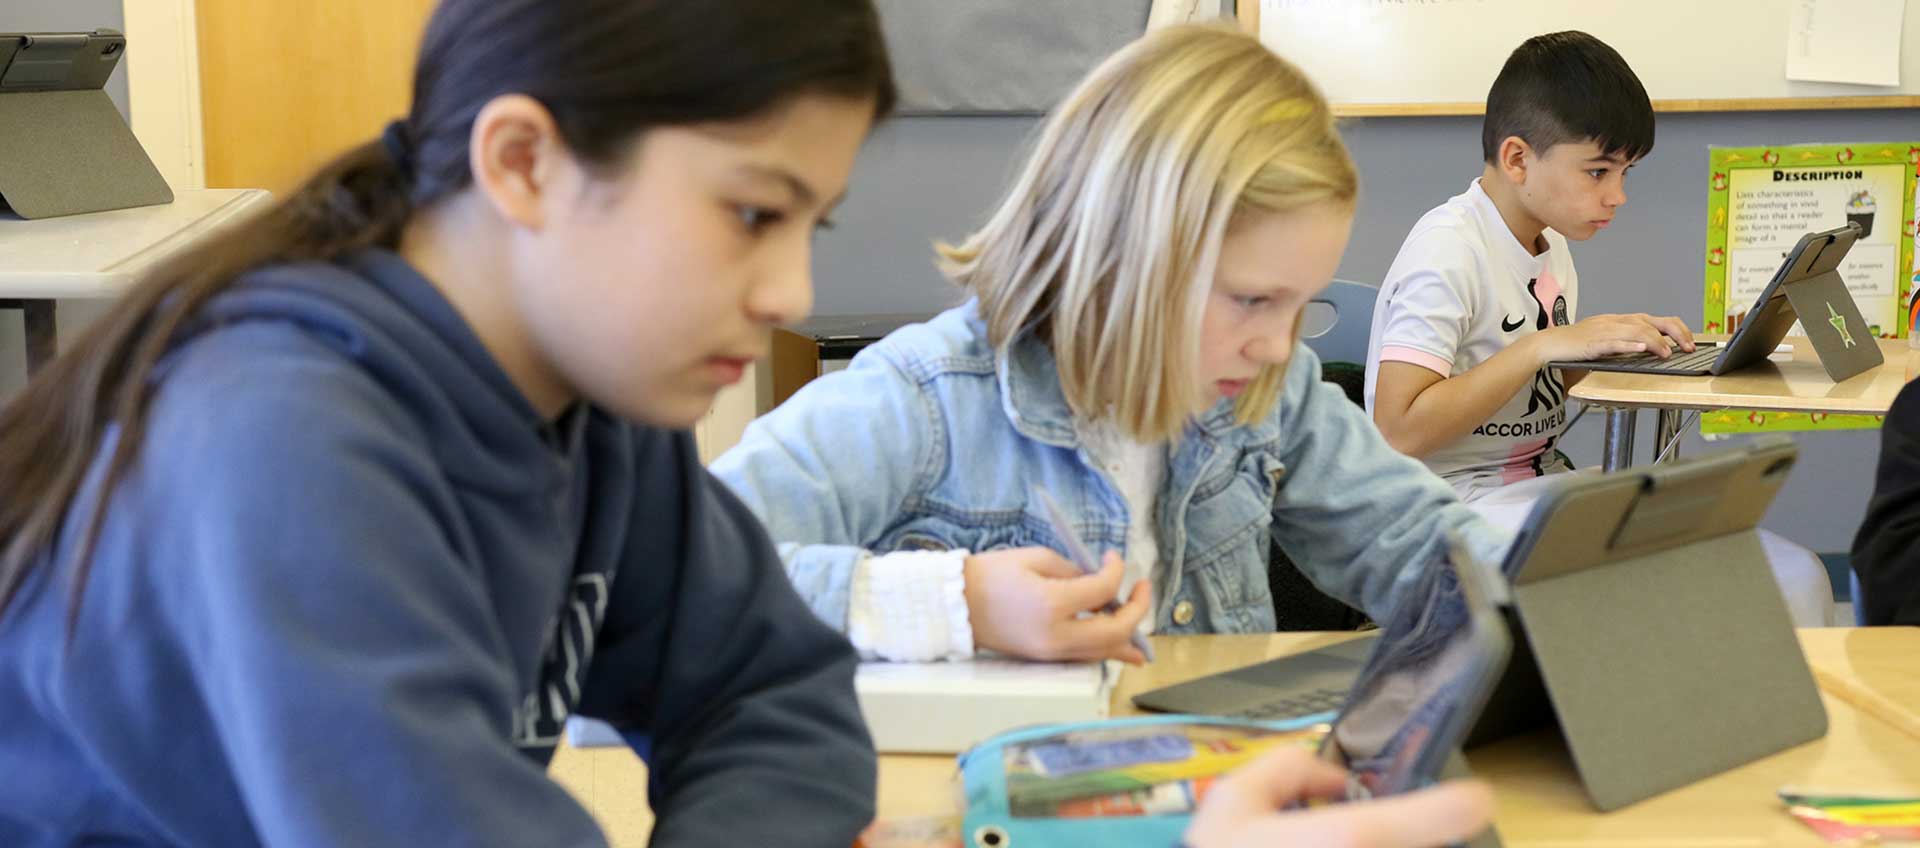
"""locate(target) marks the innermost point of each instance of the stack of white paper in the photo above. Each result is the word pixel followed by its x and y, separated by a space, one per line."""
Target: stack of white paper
pixel 947 707
pixel 1853 41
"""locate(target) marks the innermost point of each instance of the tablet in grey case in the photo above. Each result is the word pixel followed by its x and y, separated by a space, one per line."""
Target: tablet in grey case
pixel 1807 287
pixel 1828 314
pixel 1656 626
pixel 1645 622
pixel 64 148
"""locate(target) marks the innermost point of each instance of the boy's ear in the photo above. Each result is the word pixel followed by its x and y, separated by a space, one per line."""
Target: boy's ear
pixel 1513 157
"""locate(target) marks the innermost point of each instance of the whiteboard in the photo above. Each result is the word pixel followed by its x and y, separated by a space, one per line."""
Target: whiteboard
pixel 1379 52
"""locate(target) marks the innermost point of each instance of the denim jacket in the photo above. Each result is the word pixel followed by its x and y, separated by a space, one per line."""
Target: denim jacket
pixel 929 441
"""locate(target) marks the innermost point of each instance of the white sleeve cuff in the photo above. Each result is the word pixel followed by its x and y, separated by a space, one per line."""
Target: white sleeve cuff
pixel 910 606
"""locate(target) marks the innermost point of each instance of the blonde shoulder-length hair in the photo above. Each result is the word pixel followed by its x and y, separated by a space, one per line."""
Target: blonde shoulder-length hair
pixel 1106 244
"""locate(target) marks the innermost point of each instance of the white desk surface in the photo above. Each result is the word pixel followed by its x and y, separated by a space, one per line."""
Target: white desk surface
pixel 99 254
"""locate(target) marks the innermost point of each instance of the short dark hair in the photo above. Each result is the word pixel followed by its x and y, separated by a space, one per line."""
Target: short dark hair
pixel 1568 86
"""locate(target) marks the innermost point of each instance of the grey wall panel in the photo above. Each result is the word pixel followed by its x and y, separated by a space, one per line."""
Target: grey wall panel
pixel 1001 55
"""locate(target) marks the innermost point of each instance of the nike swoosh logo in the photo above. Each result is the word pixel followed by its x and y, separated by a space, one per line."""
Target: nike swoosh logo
pixel 1507 327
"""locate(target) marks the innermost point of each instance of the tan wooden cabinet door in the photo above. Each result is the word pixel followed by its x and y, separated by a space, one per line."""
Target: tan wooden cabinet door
pixel 288 84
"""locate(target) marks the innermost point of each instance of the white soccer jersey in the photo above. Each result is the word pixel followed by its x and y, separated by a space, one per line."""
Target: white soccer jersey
pixel 1461 290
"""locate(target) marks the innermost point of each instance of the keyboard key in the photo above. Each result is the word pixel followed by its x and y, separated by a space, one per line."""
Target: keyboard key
pixel 1317 701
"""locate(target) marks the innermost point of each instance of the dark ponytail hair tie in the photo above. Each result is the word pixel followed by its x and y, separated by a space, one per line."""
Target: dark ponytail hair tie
pixel 399 149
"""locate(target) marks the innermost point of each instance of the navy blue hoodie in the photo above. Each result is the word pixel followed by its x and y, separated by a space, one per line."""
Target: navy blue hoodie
pixel 355 584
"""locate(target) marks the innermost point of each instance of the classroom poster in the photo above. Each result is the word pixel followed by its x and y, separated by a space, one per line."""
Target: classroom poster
pixel 1913 250
pixel 1760 200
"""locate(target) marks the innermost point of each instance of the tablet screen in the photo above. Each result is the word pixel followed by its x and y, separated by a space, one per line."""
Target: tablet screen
pixel 1422 688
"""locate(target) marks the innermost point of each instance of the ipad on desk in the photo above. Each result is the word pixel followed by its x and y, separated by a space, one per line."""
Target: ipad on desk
pixel 1645 624
pixel 66 148
pixel 59 61
pixel 1655 626
pixel 1808 288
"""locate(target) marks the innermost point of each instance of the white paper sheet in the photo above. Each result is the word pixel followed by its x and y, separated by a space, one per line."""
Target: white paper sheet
pixel 1851 41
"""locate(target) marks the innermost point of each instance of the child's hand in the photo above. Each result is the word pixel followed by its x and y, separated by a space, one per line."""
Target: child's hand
pixel 1246 809
pixel 1606 335
pixel 1027 602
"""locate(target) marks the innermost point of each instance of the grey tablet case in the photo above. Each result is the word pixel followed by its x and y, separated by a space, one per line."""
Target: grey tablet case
pixel 64 149
pixel 1828 315
pixel 1655 624
pixel 1808 287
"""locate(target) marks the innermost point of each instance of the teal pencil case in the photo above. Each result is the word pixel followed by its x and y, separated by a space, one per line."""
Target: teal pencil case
pixel 1120 782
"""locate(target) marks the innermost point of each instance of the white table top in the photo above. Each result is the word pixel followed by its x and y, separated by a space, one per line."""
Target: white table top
pixel 99 254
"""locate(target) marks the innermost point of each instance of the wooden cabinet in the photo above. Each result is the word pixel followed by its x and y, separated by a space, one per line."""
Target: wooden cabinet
pixel 286 86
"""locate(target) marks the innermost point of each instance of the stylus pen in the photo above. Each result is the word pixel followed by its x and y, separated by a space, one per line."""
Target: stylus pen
pixel 1081 557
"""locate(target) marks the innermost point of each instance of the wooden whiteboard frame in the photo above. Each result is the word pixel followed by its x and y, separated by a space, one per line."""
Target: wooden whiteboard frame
pixel 1247 12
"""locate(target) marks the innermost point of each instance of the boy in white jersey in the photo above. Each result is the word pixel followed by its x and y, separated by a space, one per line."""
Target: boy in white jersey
pixel 1483 293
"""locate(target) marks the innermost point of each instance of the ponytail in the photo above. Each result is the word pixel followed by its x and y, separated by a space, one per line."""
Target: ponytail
pixel 608 70
pixel 50 434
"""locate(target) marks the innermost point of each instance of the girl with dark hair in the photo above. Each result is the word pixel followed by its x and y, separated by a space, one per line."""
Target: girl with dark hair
pixel 322 532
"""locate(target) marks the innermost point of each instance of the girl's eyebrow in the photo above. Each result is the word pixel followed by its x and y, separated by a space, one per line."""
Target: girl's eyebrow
pixel 802 193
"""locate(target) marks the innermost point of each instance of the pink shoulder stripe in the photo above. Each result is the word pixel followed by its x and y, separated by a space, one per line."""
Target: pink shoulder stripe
pixel 1396 353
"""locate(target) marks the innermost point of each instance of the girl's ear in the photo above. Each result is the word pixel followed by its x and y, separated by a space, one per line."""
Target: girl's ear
pixel 518 159
pixel 1513 158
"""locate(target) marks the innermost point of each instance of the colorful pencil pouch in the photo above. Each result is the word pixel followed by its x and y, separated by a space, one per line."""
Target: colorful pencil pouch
pixel 1121 782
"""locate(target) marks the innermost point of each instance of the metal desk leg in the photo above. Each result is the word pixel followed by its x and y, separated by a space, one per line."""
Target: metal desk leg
pixel 1667 435
pixel 1618 450
pixel 40 329
pixel 41 343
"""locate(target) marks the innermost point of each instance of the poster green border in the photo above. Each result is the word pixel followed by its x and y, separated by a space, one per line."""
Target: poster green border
pixel 1722 161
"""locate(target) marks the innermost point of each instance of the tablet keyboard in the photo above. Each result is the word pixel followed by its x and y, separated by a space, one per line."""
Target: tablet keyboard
pixel 1700 359
pixel 1305 704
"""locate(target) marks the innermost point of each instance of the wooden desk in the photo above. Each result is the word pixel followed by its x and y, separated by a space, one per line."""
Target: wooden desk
pixel 1875 669
pixel 1798 384
pixel 100 254
pixel 1540 804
